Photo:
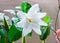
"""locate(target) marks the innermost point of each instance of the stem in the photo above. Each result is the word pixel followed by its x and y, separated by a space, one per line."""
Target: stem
pixel 43 41
pixel 12 42
pixel 56 18
pixel 23 40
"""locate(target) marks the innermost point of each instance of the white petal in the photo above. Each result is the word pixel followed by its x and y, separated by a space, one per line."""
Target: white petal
pixel 10 11
pixel 18 7
pixel 21 15
pixel 26 30
pixel 38 16
pixel 2 13
pixel 20 12
pixel 36 28
pixel 9 22
pixel 21 23
pixel 6 17
pixel 42 23
pixel 34 9
pixel 15 20
pixel 41 15
pixel 1 16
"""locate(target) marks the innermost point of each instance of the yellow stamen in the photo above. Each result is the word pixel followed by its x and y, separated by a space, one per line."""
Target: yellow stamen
pixel 30 20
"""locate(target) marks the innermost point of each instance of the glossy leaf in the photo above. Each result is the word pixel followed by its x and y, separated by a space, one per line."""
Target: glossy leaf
pixel 25 6
pixel 14 33
pixel 45 32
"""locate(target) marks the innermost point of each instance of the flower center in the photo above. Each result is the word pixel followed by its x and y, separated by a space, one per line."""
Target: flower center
pixel 30 20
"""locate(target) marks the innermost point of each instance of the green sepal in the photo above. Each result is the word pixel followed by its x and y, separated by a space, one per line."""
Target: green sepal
pixel 30 35
pixel 45 32
pixel 25 6
pixel 6 25
pixel 47 19
pixel 14 33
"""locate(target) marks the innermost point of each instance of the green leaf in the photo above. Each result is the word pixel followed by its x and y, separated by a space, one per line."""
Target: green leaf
pixel 47 19
pixel 14 33
pixel 45 32
pixel 25 6
pixel 30 35
pixel 2 30
pixel 6 25
pixel 2 35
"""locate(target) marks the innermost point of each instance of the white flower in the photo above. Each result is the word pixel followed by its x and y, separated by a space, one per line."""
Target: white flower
pixel 10 11
pixel 15 20
pixel 31 21
pixel 2 15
